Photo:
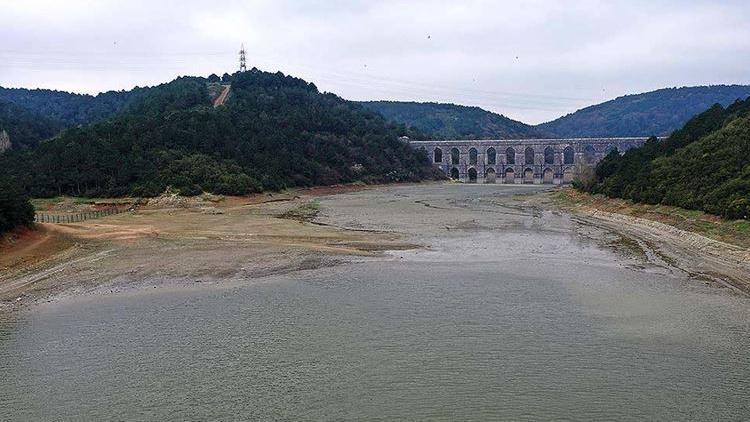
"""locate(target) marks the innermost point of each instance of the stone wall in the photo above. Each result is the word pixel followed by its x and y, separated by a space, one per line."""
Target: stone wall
pixel 554 161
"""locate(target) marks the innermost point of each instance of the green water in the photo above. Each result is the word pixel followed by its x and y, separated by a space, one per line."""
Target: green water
pixel 534 320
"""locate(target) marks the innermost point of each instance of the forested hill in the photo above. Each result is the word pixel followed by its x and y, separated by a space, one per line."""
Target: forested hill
pixel 67 108
pixel 655 113
pixel 25 128
pixel 275 131
pixel 703 166
pixel 451 121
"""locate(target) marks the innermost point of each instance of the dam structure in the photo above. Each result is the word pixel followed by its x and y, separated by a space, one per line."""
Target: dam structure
pixel 533 161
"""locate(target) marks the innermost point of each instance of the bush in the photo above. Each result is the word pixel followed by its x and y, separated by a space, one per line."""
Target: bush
pixel 15 208
pixel 703 166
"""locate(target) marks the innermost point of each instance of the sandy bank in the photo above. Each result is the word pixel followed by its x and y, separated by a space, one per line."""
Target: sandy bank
pixel 179 240
pixel 702 257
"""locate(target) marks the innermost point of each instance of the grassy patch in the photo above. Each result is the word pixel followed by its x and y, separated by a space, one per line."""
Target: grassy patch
pixel 42 204
pixel 304 212
pixel 76 203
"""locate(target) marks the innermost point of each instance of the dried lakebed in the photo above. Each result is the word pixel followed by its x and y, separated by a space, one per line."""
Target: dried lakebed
pixel 505 312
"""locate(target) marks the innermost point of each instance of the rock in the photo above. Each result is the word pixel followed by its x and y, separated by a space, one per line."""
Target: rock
pixel 4 141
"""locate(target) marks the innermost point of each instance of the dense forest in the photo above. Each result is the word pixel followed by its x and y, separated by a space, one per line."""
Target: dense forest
pixel 450 121
pixel 655 113
pixel 32 115
pixel 703 166
pixel 15 208
pixel 275 131
pixel 25 128
pixel 67 108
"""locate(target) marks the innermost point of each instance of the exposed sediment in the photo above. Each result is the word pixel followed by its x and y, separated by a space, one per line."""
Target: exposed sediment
pixel 236 239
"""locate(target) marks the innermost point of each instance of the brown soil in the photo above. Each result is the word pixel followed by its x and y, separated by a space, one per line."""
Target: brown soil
pixel 222 98
pixel 205 237
pixel 26 248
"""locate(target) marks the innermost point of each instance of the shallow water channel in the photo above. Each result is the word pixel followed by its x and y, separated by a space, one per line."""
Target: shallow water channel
pixel 508 312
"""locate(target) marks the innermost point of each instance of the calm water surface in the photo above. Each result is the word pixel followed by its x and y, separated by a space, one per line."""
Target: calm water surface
pixel 518 317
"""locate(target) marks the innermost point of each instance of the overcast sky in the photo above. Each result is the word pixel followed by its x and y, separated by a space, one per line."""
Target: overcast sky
pixel 529 60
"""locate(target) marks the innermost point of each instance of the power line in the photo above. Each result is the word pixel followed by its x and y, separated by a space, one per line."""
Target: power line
pixel 171 60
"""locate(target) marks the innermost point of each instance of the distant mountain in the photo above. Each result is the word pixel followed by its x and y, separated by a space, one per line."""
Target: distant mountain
pixel 274 131
pixel 67 108
pixel 656 113
pixel 24 128
pixel 451 121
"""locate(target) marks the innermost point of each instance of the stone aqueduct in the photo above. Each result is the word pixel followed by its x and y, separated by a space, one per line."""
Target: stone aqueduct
pixel 553 161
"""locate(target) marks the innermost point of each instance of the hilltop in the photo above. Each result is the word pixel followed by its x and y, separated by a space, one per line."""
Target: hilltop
pixel 24 128
pixel 655 113
pixel 69 109
pixel 451 121
pixel 274 131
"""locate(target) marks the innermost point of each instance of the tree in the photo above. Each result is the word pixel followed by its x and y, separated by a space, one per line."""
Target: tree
pixel 15 208
pixel 214 78
pixel 277 131
pixel 703 166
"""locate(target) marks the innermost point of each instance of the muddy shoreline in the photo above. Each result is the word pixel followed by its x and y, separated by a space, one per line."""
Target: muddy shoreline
pixel 175 245
pixel 177 242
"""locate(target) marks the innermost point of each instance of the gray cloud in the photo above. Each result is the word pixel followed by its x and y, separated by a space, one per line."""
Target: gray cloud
pixel 530 60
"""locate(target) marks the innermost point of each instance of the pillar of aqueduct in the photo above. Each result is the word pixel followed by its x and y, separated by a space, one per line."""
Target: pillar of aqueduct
pixel 554 161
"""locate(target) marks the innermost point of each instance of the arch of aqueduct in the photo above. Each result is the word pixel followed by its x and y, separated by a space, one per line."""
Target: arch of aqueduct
pixel 553 161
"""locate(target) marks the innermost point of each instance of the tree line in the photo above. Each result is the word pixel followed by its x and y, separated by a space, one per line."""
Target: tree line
pixel 705 166
pixel 275 132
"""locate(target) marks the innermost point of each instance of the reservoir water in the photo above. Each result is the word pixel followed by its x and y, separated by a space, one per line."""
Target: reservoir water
pixel 506 313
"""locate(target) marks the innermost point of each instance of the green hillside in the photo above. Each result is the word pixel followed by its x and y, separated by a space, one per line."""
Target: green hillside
pixel 703 166
pixel 655 113
pixel 276 131
pixel 25 128
pixel 66 108
pixel 451 121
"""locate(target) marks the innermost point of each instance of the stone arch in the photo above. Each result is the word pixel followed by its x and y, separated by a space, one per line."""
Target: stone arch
pixel 510 156
pixel 548 176
pixel 549 155
pixel 528 155
pixel 437 155
pixel 528 175
pixel 510 175
pixel 473 156
pixel 455 154
pixel 454 173
pixel 472 175
pixel 568 155
pixel 491 156
pixel 489 176
pixel 589 154
pixel 568 175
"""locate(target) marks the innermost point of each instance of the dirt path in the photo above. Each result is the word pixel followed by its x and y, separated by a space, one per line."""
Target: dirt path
pixel 222 98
